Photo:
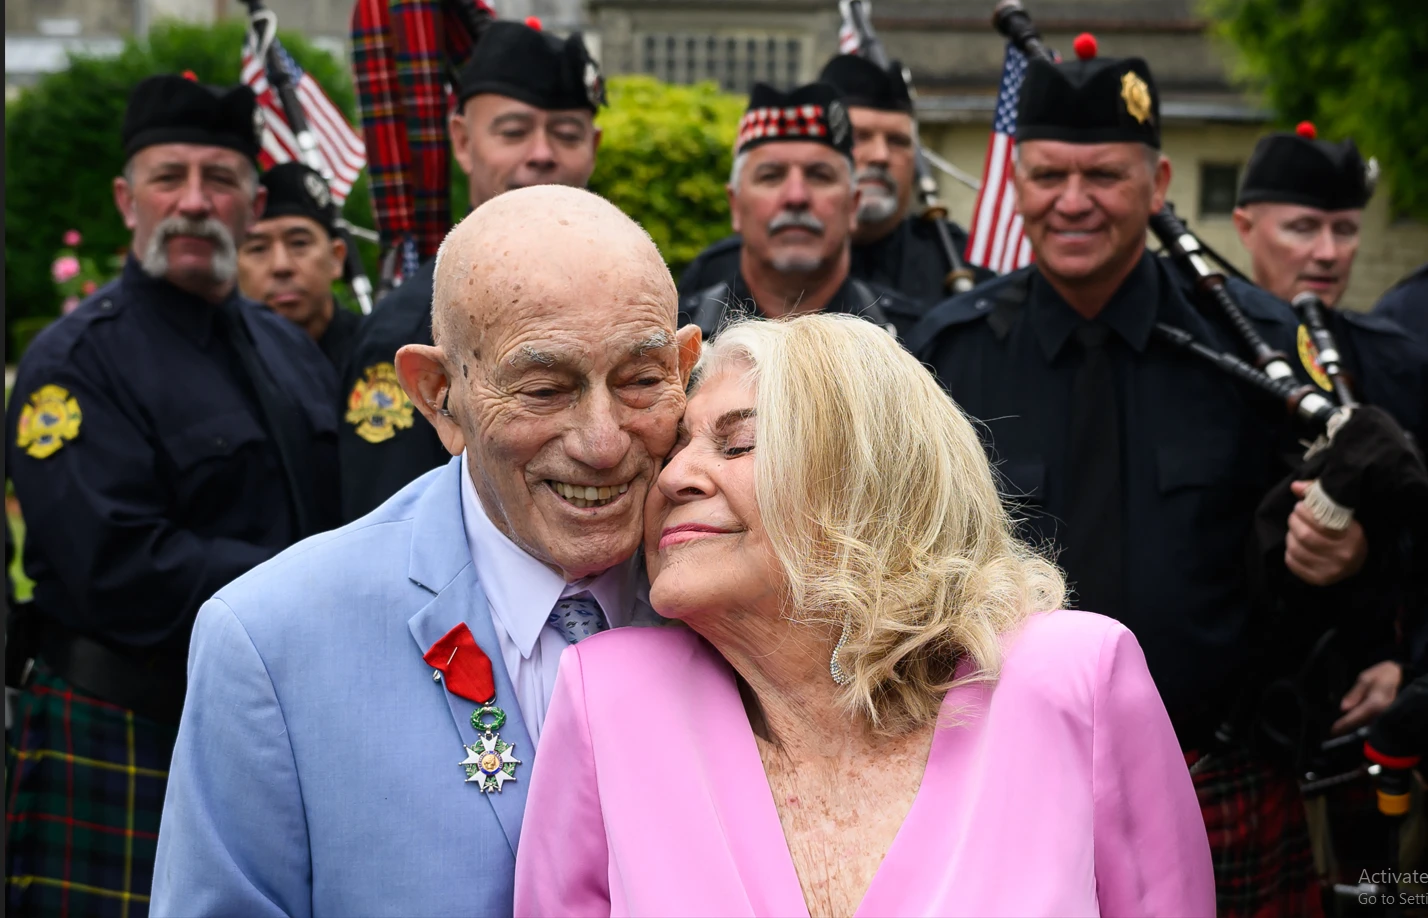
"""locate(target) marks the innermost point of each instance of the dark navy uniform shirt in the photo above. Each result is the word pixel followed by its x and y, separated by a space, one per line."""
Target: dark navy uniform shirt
pixel 385 442
pixel 1388 366
pixel 340 337
pixel 1199 452
pixel 1407 304
pixel 908 260
pixel 712 307
pixel 143 464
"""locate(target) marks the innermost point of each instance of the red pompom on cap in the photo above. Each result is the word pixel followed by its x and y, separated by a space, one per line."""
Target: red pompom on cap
pixel 1084 46
pixel 190 76
pixel 533 22
pixel 1306 130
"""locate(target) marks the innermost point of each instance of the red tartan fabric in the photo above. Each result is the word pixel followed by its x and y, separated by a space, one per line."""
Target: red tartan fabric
pixel 384 127
pixel 792 121
pixel 401 53
pixel 420 59
pixel 1259 838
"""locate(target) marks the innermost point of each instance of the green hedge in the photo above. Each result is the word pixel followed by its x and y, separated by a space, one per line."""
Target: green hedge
pixel 664 157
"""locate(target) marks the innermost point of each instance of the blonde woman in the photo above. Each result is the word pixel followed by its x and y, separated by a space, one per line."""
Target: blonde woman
pixel 873 709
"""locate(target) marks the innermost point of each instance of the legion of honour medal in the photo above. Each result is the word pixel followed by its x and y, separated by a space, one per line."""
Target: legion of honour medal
pixel 490 762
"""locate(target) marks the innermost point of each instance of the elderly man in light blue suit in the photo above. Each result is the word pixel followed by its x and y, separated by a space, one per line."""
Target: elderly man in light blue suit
pixel 328 761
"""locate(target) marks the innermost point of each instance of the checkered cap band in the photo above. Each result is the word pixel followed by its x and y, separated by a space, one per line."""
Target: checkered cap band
pixel 793 121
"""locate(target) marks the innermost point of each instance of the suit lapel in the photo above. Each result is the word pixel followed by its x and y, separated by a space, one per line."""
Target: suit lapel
pixel 441 562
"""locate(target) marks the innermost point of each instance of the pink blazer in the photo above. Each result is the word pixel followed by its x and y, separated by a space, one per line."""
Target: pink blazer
pixel 1060 791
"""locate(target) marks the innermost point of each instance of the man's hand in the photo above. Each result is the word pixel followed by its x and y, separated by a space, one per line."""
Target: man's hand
pixel 1320 556
pixel 1371 695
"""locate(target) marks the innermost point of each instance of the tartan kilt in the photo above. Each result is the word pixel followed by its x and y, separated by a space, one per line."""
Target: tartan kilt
pixel 84 789
pixel 1259 838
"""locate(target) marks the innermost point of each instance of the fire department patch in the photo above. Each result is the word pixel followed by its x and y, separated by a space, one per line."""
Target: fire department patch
pixel 1309 357
pixel 377 406
pixel 48 421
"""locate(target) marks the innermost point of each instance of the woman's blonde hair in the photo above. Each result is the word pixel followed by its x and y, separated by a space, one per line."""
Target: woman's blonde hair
pixel 882 509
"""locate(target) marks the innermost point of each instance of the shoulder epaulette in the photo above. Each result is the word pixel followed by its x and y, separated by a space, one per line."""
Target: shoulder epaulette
pixel 999 300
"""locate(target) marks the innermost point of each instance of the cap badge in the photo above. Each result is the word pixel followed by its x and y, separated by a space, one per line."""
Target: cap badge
pixel 1371 175
pixel 837 123
pixel 259 124
pixel 317 189
pixel 1136 95
pixel 594 86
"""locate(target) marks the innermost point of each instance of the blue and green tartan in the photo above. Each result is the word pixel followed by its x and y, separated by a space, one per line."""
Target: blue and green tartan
pixel 84 789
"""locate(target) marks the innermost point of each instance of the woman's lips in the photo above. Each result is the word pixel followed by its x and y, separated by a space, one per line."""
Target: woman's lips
pixel 688 532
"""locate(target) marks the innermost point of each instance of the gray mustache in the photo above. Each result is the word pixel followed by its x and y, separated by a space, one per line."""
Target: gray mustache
pixel 790 219
pixel 877 174
pixel 208 228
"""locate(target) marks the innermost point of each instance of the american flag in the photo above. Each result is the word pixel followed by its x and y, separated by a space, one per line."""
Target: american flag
pixel 339 145
pixel 848 42
pixel 995 238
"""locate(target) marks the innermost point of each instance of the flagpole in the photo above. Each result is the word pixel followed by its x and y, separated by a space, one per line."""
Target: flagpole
pixel 959 277
pixel 264 23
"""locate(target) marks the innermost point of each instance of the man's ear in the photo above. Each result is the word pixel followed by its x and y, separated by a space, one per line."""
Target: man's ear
pixel 124 200
pixel 339 257
pixel 422 372
pixel 460 143
pixel 1244 222
pixel 690 340
pixel 598 135
pixel 260 203
pixel 1162 184
pixel 733 211
pixel 853 212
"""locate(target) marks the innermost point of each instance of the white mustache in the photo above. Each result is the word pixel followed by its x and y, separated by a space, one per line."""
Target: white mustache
pixel 880 175
pixel 796 219
pixel 225 257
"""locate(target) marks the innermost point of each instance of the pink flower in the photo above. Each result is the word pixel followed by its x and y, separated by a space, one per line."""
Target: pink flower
pixel 88 287
pixel 64 268
pixel 69 304
pixel 71 238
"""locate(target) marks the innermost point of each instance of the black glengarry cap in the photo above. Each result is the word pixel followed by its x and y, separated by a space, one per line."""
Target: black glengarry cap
pixel 1101 100
pixel 178 109
pixel 515 60
pixel 864 84
pixel 1299 169
pixel 295 190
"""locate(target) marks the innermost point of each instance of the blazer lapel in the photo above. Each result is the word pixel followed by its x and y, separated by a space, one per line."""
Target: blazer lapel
pixel 441 562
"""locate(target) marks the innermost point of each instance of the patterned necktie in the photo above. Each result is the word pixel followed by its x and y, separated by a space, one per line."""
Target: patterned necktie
pixel 577 617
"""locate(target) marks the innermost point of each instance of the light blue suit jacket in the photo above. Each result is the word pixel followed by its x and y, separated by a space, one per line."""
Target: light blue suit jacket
pixel 316 771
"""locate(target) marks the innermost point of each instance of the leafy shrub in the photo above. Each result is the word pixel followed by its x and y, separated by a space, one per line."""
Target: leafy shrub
pixel 664 159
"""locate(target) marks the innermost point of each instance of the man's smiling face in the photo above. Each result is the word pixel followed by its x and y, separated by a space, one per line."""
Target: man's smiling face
pixel 560 369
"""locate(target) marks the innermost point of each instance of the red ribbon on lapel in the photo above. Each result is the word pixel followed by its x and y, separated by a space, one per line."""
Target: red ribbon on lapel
pixel 463 665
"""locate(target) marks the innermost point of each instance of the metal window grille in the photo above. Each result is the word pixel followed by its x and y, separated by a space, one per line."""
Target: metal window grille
pixel 735 62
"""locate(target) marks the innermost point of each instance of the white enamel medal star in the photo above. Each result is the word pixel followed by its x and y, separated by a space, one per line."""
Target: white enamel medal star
pixel 490 763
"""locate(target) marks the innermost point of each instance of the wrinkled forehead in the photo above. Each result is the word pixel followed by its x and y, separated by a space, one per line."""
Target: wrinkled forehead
pixel 787 153
pixel 188 156
pixel 1282 212
pixel 591 314
pixel 879 120
pixel 1059 154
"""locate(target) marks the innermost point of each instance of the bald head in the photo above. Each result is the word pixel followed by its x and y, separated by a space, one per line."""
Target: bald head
pixel 549 243
pixel 557 368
